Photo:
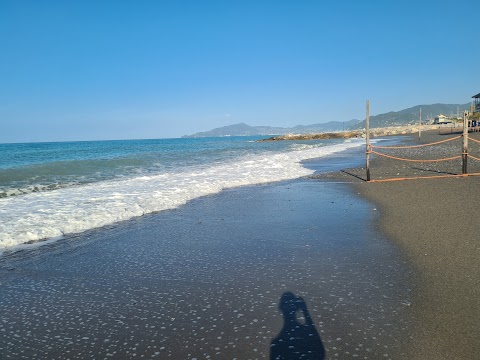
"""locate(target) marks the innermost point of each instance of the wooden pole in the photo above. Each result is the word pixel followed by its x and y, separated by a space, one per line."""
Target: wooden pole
pixel 465 143
pixel 420 127
pixel 367 139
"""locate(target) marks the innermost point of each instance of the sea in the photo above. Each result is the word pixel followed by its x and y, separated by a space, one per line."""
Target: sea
pixel 49 190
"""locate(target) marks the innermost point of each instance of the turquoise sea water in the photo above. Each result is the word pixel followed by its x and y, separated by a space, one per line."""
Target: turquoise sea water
pixel 35 167
pixel 51 189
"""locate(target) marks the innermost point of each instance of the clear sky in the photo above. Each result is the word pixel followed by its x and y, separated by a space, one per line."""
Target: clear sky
pixel 85 70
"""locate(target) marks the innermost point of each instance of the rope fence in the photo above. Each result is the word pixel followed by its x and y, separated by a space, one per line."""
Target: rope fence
pixel 426 177
pixel 415 160
pixel 473 157
pixel 475 140
pixel 463 154
pixel 416 146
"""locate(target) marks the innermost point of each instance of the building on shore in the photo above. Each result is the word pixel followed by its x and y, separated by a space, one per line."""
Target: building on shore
pixel 476 103
pixel 442 119
pixel 474 115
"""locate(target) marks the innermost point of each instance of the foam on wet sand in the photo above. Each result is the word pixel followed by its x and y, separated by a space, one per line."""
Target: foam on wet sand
pixel 205 281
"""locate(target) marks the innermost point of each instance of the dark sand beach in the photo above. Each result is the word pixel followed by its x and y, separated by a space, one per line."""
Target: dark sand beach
pixel 435 223
pixel 217 278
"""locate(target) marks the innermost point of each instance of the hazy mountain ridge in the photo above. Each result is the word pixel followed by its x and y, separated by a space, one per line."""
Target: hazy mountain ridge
pixel 392 118
pixel 411 115
pixel 243 129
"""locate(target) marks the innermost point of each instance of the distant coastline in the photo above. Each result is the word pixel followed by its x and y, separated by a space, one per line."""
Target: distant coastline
pixel 384 131
pixel 405 117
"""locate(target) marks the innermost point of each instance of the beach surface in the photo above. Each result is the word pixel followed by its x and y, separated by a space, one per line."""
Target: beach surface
pixel 214 279
pixel 435 223
pixel 393 276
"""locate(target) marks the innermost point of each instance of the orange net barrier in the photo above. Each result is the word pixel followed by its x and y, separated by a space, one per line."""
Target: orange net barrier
pixel 417 146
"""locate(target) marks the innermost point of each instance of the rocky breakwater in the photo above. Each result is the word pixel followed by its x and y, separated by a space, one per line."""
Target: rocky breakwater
pixel 374 132
pixel 321 136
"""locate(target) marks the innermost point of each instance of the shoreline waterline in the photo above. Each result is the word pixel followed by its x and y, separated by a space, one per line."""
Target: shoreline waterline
pixel 52 214
pixel 207 278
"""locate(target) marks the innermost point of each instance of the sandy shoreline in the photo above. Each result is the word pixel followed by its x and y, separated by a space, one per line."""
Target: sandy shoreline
pixel 431 222
pixel 435 224
pixel 206 281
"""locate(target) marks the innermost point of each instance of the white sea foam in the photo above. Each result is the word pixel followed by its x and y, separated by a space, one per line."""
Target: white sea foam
pixel 303 146
pixel 46 215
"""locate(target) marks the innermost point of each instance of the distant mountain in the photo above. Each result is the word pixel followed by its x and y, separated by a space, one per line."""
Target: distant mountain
pixel 243 129
pixel 411 115
pixel 322 127
pixel 392 118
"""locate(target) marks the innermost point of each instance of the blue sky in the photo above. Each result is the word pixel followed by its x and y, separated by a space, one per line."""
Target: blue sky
pixel 87 70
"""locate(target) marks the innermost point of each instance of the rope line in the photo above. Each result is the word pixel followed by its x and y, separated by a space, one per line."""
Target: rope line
pixel 417 146
pixel 412 160
pixel 371 151
pixel 478 141
pixel 424 177
pixel 473 157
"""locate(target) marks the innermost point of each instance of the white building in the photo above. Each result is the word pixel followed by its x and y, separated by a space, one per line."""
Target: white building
pixel 441 119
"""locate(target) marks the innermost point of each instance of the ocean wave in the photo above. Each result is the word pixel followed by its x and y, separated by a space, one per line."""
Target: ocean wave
pixel 298 147
pixel 45 215
pixel 32 188
pixel 50 176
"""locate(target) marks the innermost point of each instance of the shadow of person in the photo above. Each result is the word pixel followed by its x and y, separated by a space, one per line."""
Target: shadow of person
pixel 296 340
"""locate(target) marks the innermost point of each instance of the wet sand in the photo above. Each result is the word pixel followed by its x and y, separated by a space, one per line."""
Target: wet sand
pixel 206 280
pixel 435 223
